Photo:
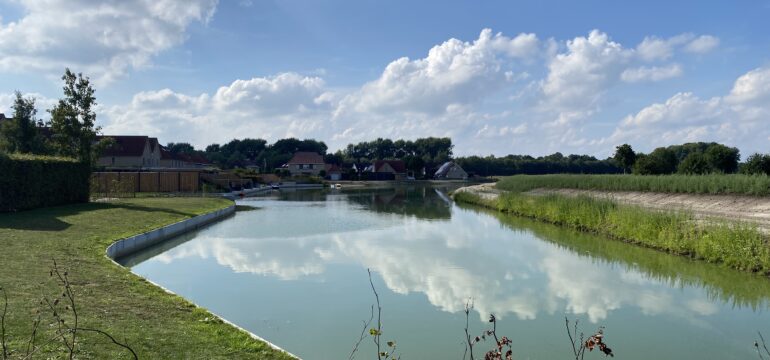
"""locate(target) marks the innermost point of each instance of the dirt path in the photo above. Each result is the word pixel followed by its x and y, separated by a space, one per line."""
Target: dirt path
pixel 731 207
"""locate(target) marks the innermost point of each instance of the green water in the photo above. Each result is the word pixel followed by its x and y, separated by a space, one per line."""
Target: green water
pixel 294 272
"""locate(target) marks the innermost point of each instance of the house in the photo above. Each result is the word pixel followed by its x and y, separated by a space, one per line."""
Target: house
pixel 333 172
pixel 385 167
pixel 451 171
pixel 306 163
pixel 3 118
pixel 130 152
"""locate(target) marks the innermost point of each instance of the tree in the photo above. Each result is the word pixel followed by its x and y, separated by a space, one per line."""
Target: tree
pixel 73 119
pixel 757 164
pixel 695 163
pixel 181 148
pixel 625 156
pixel 20 132
pixel 722 158
pixel 659 161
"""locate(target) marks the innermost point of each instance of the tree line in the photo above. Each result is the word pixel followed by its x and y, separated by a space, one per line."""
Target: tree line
pixel 416 154
pixel 690 159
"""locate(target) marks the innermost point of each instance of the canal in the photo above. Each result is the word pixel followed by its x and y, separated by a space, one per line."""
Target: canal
pixel 294 271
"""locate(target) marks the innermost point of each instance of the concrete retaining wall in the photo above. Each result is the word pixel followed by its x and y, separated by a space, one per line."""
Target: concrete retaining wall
pixel 135 243
pixel 138 242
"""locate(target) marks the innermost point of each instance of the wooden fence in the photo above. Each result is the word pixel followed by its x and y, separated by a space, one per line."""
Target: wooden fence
pixel 157 181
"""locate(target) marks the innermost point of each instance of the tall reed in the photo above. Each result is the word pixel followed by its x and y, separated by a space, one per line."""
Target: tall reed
pixel 736 245
pixel 694 184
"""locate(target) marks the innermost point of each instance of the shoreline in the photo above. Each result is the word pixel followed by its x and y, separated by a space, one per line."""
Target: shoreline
pixel 139 242
pixel 754 210
pixel 740 245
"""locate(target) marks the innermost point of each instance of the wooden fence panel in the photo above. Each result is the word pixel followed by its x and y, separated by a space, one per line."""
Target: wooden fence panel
pixel 130 181
pixel 169 182
pixel 188 181
pixel 148 182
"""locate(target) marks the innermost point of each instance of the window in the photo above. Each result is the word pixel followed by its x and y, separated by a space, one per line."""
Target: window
pixel 310 166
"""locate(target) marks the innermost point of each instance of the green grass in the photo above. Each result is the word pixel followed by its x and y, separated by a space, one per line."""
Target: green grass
pixel 156 324
pixel 736 245
pixel 694 184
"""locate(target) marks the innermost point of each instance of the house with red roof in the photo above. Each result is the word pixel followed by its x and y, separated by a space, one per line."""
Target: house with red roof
pixel 395 167
pixel 306 163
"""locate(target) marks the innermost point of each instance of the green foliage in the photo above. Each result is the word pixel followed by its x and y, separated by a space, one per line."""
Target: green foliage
pixel 19 134
pixel 524 164
pixel 73 119
pixel 757 164
pixel 181 148
pixel 659 161
pixel 694 164
pixel 736 245
pixel 430 150
pixel 693 184
pixel 31 181
pixel 722 158
pixel 625 156
pixel 666 160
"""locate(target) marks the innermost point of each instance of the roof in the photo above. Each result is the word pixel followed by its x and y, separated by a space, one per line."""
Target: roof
pixel 397 165
pixel 166 155
pixel 446 167
pixel 333 168
pixel 306 157
pixel 125 145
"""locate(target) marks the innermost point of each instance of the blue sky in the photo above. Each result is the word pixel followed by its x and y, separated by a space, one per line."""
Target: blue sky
pixel 498 77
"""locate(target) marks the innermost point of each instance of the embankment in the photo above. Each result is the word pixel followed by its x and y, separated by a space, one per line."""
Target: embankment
pixel 672 228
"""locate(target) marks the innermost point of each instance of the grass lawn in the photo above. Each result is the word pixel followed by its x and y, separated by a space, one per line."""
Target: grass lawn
pixel 155 324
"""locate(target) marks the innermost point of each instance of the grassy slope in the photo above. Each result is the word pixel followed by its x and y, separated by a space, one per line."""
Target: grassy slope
pixel 696 184
pixel 154 323
pixel 735 245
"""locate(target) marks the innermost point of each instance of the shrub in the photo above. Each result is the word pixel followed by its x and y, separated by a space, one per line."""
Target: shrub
pixel 31 181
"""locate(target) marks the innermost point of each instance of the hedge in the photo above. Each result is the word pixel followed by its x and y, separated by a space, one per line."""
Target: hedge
pixel 32 181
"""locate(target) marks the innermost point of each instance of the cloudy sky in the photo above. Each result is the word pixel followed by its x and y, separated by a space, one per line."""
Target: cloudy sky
pixel 498 77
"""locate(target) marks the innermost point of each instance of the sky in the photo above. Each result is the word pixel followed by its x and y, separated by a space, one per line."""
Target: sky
pixel 498 77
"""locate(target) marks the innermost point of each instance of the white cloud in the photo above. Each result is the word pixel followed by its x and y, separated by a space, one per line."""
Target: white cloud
pixel 104 40
pixel 655 48
pixel 578 78
pixel 702 44
pixel 454 72
pixel 473 91
pixel 284 105
pixel 653 73
pixel 752 88
pixel 738 118
pixel 41 103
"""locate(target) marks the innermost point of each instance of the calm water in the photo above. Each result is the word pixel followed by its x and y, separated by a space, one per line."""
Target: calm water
pixel 294 272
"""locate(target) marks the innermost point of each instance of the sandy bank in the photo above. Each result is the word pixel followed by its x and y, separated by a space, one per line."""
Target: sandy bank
pixel 732 207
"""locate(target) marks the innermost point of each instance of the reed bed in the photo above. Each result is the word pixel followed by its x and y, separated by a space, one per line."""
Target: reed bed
pixel 757 185
pixel 737 245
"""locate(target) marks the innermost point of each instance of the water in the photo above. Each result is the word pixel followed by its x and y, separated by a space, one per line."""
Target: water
pixel 294 272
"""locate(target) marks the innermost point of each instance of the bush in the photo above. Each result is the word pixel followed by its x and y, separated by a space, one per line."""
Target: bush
pixel 757 164
pixel 31 181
